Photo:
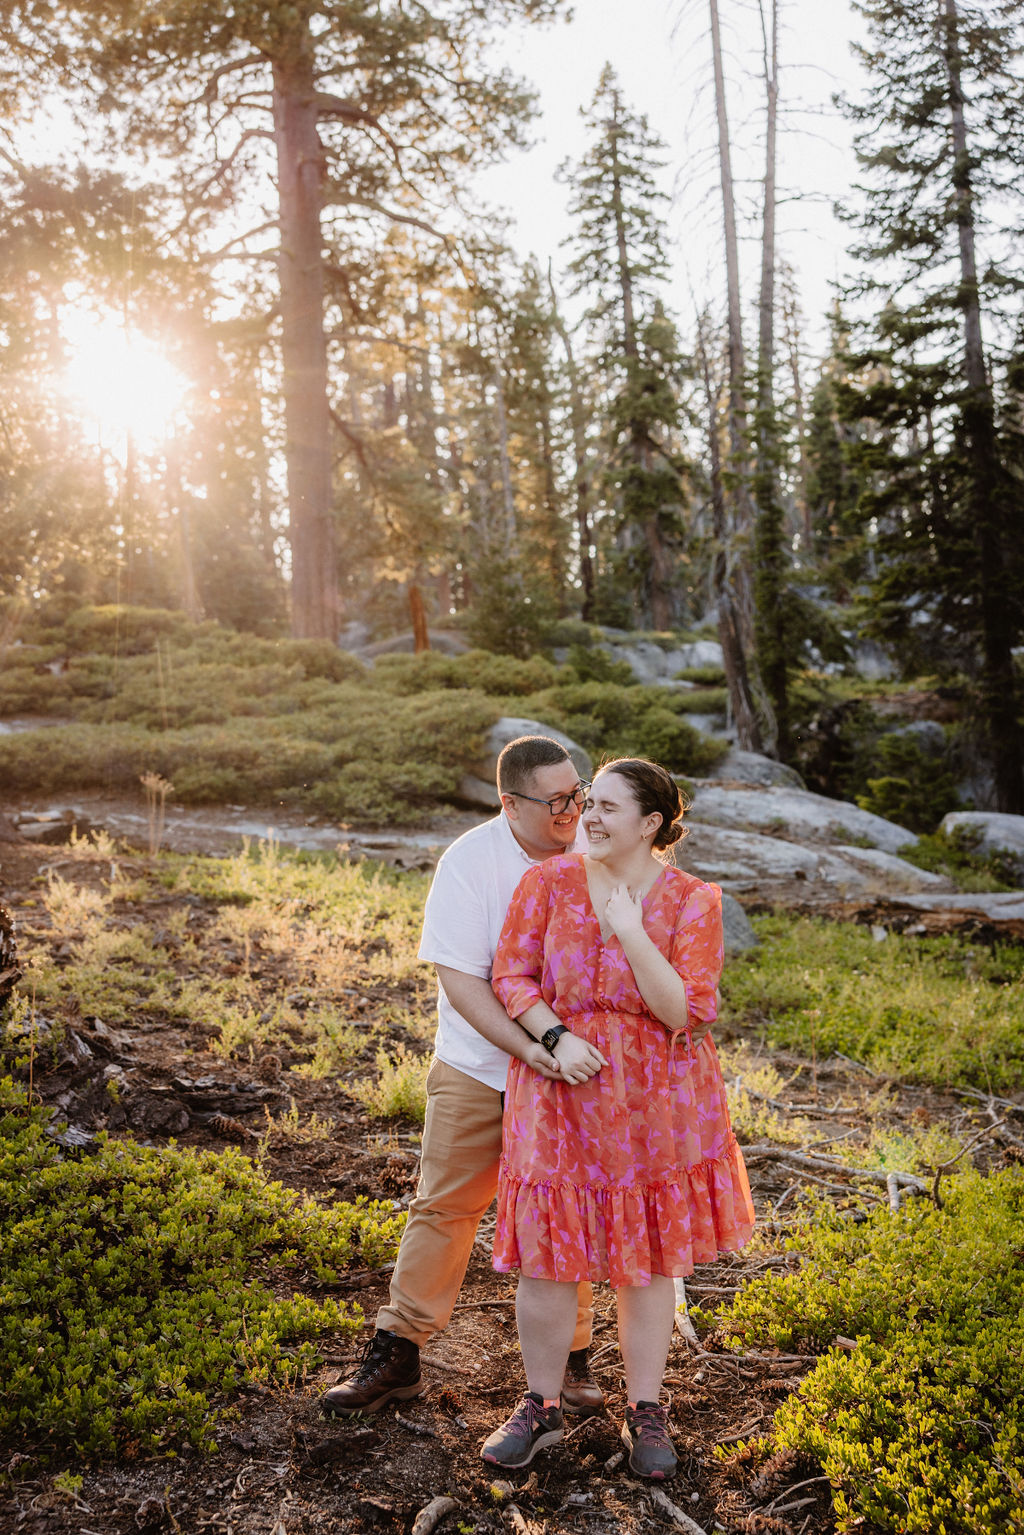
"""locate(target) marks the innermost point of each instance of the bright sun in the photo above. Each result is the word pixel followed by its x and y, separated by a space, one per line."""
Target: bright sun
pixel 120 380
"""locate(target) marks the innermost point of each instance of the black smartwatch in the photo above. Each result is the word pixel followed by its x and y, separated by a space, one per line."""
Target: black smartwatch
pixel 550 1038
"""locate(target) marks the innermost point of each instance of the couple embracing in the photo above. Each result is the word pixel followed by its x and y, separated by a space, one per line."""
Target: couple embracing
pixel 564 940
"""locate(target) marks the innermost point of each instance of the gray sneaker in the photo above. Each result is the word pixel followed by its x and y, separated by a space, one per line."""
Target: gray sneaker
pixel 645 1435
pixel 529 1429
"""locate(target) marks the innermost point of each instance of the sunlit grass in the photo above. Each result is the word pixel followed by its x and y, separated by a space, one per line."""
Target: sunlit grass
pixel 399 1088
pixel 940 1010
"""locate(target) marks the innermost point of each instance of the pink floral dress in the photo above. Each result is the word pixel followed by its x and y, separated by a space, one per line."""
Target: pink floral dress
pixel 635 1172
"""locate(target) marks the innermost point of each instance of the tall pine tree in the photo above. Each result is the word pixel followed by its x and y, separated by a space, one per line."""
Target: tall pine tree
pixel 941 143
pixel 619 264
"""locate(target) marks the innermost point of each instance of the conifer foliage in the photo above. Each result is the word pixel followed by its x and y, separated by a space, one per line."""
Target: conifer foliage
pixel 941 143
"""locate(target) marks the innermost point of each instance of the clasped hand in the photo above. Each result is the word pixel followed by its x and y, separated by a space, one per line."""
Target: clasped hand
pixel 624 912
pixel 577 1060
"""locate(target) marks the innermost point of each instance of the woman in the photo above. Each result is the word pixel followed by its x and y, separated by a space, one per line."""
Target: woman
pixel 626 1168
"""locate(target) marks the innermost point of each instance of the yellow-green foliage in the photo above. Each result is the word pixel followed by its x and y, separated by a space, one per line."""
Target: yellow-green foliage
pixel 400 1087
pixel 938 1009
pixel 920 1429
pixel 135 1289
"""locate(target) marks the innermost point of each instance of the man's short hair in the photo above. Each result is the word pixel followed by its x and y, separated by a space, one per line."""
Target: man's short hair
pixel 521 756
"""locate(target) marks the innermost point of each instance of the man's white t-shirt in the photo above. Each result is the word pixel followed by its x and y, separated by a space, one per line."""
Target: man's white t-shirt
pixel 473 885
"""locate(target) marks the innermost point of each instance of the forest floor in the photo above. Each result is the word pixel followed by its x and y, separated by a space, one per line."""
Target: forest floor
pixel 281 1469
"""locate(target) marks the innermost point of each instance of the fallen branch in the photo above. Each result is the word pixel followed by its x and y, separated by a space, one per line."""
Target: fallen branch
pixel 944 1167
pixel 417 1428
pixel 990 1098
pixel 815 1110
pixel 519 1523
pixel 684 1327
pixel 675 1513
pixel 442 1364
pixel 803 1159
pixel 811 1481
pixel 431 1514
pixel 749 1429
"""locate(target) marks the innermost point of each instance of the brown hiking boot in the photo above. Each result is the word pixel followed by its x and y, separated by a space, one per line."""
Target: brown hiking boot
pixel 389 1371
pixel 581 1394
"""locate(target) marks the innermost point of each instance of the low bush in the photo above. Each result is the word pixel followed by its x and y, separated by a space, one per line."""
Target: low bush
pixel 931 1009
pixel 118 629
pixel 920 1428
pixel 610 719
pixel 399 1088
pixel 958 856
pixel 496 675
pixel 908 785
pixel 362 755
pixel 142 1286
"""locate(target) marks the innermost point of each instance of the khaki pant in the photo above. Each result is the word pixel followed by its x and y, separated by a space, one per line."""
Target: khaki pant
pixel 458 1180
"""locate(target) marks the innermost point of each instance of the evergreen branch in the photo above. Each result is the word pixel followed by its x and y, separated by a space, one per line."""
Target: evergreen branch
pixel 329 105
pixel 226 251
pixel 210 89
pixel 223 166
pixel 404 218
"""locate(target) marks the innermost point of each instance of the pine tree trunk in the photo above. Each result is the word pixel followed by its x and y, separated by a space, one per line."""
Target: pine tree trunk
pixel 769 542
pixel 418 617
pixel 739 598
pixel 999 690
pixel 582 478
pixel 300 165
pixel 791 341
pixel 734 659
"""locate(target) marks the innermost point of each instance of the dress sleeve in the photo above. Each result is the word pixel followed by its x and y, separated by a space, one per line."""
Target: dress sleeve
pixel 697 952
pixel 519 960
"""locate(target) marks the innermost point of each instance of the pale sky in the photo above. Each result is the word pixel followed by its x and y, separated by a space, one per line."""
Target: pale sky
pixel 661 52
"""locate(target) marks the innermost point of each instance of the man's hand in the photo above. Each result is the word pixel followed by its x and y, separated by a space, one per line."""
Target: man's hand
pixel 536 1057
pixel 577 1060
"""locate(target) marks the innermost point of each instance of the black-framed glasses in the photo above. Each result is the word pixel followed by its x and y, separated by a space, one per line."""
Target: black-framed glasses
pixel 561 803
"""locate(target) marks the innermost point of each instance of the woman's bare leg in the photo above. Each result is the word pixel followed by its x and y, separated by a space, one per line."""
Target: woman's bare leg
pixel 546 1317
pixel 646 1315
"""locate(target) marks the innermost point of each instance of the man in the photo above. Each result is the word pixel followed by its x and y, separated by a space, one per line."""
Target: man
pixel 541 798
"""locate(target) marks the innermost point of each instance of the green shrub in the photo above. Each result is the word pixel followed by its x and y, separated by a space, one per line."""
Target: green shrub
pixel 593 664
pixel 122 630
pixel 496 675
pixel 399 1088
pixel 958 855
pixel 703 676
pixel 920 1429
pixel 363 755
pixel 704 701
pixel 932 1009
pixel 911 788
pixel 608 719
pixel 141 1286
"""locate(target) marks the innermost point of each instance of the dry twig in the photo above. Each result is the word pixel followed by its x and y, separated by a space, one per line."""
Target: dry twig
pixel 675 1513
pixel 431 1514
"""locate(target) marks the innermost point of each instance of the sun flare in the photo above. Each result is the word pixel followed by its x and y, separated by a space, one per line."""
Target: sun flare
pixel 120 380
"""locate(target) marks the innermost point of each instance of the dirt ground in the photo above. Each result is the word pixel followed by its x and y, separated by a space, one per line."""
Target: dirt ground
pixel 283 1470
